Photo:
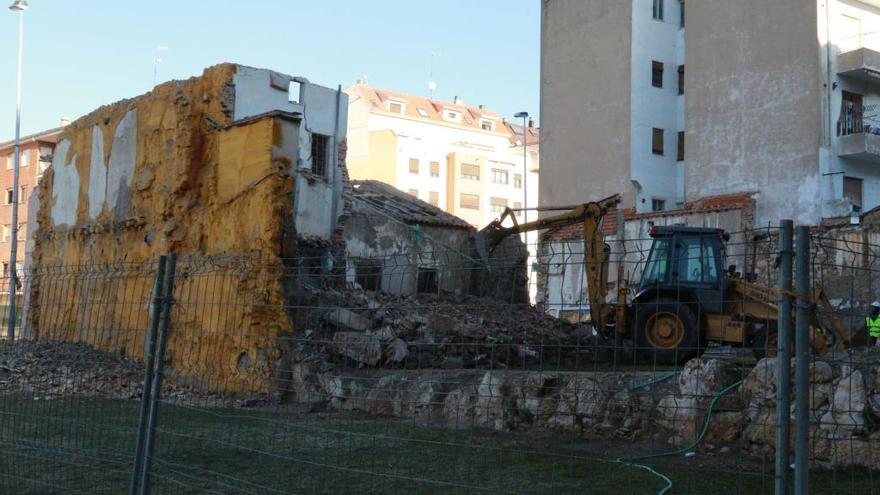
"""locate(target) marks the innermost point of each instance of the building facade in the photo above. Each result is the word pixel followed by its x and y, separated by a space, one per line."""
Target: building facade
pixel 36 156
pixel 719 100
pixel 465 160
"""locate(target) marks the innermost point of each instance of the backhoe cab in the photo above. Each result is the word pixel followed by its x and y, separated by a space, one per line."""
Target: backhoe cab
pixel 683 289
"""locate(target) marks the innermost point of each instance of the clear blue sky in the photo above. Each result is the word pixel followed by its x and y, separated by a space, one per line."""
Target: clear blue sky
pixel 82 54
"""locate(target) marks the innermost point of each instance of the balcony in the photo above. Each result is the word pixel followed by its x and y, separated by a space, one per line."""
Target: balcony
pixel 862 64
pixel 861 145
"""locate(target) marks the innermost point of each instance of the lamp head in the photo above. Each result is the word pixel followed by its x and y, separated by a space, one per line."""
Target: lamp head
pixel 18 6
pixel 521 115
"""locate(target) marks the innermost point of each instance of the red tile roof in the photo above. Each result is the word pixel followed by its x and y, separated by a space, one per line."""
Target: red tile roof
pixel 433 109
pixel 726 202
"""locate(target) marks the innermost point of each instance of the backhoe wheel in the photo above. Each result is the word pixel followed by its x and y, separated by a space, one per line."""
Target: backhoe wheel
pixel 766 342
pixel 666 332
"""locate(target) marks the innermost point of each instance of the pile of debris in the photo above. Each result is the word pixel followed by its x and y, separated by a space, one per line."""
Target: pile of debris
pixel 54 370
pixel 429 332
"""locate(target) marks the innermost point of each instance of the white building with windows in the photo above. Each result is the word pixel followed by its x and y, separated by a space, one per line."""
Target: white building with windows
pixel 778 99
pixel 466 160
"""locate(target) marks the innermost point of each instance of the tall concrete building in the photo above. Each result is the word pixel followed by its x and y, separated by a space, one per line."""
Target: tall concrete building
pixel 467 160
pixel 668 102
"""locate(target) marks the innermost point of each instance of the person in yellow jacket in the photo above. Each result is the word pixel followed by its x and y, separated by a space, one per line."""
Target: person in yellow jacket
pixel 872 321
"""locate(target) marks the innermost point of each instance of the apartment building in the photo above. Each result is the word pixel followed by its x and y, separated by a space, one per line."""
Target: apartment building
pixel 36 155
pixel 668 101
pixel 466 160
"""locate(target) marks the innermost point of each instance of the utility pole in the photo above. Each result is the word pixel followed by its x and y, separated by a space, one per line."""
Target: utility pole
pixel 17 6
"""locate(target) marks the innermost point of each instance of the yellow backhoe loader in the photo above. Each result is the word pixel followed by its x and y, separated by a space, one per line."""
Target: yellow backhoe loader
pixel 685 298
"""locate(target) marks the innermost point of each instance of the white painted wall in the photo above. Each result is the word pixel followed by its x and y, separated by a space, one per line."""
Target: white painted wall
pixel 658 176
pixel 845 34
pixel 65 185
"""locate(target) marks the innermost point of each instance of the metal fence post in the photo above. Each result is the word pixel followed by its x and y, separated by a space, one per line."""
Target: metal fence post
pixel 802 379
pixel 783 370
pixel 155 396
pixel 150 358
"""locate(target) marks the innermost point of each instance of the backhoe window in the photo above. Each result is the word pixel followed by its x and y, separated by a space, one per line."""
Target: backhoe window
pixel 657 264
pixel 696 261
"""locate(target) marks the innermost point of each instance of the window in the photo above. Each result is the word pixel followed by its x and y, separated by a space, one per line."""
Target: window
pixel 9 198
pixel 427 282
pixel 6 233
pixel 658 9
pixel 517 181
pixel 23 197
pixel 487 125
pixel 852 190
pixel 500 176
pixel 25 158
pixel 681 79
pixel 435 169
pixel 9 162
pixel 850 121
pixel 680 156
pixel 5 269
pixel 434 198
pixel 452 115
pixel 470 172
pixel 469 201
pixel 517 206
pixel 658 204
pixel 696 261
pixel 368 274
pixel 681 13
pixel 22 232
pixel 423 112
pixel 414 165
pixel 657 141
pixel 319 154
pixel 413 192
pixel 657 74
pixel 395 107
pixel 657 264
pixel 497 205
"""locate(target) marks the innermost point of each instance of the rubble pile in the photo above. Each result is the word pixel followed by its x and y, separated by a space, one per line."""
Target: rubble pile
pixel 427 332
pixel 57 369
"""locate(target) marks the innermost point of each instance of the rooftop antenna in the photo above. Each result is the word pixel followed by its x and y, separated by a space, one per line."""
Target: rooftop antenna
pixel 156 62
pixel 432 84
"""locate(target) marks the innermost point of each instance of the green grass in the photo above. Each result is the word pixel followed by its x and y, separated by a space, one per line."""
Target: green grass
pixel 86 445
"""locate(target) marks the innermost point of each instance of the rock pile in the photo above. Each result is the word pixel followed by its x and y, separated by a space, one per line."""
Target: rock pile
pixel 380 330
pixel 53 370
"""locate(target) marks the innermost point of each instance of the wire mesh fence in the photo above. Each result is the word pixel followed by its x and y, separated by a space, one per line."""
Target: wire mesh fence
pixel 432 372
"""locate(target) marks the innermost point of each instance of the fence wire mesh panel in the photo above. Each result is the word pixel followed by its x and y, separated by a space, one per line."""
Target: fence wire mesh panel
pixel 70 385
pixel 440 371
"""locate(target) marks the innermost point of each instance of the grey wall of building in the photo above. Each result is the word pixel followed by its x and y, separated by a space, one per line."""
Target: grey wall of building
pixel 752 96
pixel 585 98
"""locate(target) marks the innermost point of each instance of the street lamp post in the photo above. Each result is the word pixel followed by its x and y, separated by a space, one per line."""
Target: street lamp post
pixel 18 6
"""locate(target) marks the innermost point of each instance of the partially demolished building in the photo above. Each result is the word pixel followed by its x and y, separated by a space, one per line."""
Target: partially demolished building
pixel 238 162
pixel 241 173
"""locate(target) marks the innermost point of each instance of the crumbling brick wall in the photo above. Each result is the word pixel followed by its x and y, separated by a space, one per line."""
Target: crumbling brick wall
pixel 165 172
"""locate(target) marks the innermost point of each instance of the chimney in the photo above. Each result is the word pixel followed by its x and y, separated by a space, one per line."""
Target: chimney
pixel 457 100
pixel 531 122
pixel 65 121
pixel 482 107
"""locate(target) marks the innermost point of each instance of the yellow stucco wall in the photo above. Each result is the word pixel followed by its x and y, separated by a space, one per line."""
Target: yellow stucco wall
pixel 217 195
pixel 382 162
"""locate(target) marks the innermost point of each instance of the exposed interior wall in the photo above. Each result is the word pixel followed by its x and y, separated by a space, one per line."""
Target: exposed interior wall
pixel 752 105
pixel 585 100
pixel 166 172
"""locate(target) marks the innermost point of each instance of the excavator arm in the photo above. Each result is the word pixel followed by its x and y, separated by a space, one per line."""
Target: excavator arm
pixel 595 249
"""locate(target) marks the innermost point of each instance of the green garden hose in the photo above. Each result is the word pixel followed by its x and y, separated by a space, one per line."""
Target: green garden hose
pixel 629 460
